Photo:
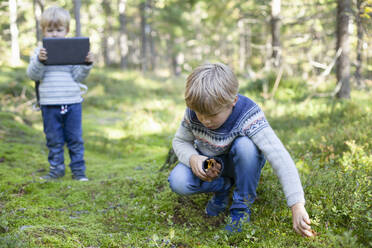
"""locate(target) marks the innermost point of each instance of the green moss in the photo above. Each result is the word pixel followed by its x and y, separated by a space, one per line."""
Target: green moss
pixel 128 122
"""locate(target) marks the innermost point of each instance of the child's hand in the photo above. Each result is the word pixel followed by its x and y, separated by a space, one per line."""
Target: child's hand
pixel 43 55
pixel 301 221
pixel 213 169
pixel 196 164
pixel 89 59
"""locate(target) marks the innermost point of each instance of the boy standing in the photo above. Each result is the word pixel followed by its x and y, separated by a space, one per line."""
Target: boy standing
pixel 220 123
pixel 60 99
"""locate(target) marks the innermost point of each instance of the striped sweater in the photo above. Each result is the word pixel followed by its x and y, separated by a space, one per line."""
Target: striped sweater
pixel 60 84
pixel 246 119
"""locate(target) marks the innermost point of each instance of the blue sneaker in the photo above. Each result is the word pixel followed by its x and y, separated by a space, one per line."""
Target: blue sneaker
pixel 219 201
pixel 238 217
pixel 55 172
pixel 52 176
pixel 81 178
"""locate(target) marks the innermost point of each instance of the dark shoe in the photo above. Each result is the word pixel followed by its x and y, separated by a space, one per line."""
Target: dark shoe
pixel 80 178
pixel 55 172
pixel 219 201
pixel 51 176
pixel 238 217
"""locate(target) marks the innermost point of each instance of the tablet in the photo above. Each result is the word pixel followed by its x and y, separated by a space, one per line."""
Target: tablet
pixel 66 51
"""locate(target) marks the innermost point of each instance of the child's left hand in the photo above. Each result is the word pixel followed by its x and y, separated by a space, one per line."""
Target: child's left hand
pixel 89 58
pixel 301 220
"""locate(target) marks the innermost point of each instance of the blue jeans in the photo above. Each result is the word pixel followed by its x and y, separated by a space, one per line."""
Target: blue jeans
pixel 243 163
pixel 61 128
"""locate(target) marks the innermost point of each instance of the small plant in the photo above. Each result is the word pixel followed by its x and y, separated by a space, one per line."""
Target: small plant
pixel 129 122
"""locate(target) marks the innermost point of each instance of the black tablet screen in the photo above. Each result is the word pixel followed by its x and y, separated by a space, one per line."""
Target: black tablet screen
pixel 66 51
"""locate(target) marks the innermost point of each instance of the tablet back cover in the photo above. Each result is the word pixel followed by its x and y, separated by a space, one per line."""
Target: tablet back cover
pixel 66 51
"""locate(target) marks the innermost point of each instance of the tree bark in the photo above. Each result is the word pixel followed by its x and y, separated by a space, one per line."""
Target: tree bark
pixel 144 34
pixel 275 32
pixel 15 59
pixel 152 49
pixel 38 6
pixel 359 49
pixel 173 56
pixel 77 6
pixel 123 36
pixel 242 52
pixel 170 161
pixel 244 45
pixel 343 62
pixel 107 32
pixel 150 37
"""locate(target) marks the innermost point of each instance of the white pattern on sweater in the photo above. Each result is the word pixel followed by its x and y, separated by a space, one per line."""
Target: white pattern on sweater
pixel 60 84
pixel 247 119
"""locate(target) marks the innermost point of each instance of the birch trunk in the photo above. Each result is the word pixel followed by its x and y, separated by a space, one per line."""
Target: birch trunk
pixel 343 62
pixel 123 37
pixel 15 59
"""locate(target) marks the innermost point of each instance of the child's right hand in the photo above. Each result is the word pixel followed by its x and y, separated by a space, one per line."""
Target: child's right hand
pixel 301 220
pixel 43 55
pixel 196 164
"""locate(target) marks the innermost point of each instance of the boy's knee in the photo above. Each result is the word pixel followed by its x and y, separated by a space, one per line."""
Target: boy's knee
pixel 178 181
pixel 244 145
pixel 178 186
pixel 246 152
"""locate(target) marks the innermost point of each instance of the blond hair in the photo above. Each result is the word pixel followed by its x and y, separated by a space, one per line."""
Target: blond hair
pixel 55 16
pixel 210 88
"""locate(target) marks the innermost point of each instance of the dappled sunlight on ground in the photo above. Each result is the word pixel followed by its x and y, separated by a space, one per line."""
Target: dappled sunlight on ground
pixel 112 133
pixel 129 121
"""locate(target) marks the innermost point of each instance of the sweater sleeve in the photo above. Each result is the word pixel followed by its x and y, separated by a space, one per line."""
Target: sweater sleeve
pixel 35 69
pixel 183 143
pixel 282 163
pixel 80 72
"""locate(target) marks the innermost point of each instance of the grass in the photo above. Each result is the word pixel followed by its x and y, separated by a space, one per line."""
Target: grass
pixel 128 123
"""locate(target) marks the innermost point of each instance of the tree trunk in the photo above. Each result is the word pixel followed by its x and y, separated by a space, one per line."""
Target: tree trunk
pixel 107 32
pixel 38 10
pixel 152 49
pixel 343 62
pixel 359 60
pixel 144 34
pixel 244 45
pixel 275 32
pixel 170 160
pixel 123 37
pixel 150 36
pixel 77 6
pixel 175 65
pixel 242 52
pixel 173 56
pixel 15 59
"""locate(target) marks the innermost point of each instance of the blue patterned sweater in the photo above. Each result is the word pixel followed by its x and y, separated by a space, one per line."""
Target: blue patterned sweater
pixel 246 119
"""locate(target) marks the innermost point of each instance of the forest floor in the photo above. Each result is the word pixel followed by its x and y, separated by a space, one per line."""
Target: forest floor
pixel 129 121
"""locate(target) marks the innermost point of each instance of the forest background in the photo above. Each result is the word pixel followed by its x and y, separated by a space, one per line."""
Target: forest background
pixel 307 63
pixel 303 37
